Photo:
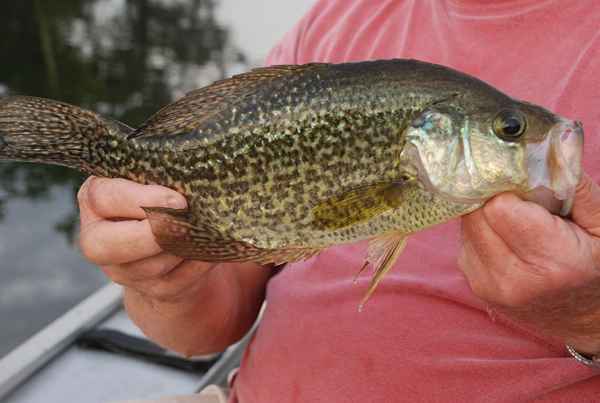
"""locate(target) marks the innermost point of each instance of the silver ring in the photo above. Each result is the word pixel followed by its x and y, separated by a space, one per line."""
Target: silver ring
pixel 592 362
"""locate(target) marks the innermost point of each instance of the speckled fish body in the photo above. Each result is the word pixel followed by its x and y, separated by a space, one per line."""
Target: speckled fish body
pixel 285 161
pixel 258 169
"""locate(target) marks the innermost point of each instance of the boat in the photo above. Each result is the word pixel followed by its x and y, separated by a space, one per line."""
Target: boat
pixel 94 353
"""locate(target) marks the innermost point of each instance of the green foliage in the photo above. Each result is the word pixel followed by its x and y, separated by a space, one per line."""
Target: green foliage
pixel 68 50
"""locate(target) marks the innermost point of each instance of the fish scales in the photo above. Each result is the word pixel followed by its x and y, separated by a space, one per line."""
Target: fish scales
pixel 283 154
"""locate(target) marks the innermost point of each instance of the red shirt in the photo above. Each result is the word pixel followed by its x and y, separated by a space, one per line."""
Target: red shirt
pixel 423 336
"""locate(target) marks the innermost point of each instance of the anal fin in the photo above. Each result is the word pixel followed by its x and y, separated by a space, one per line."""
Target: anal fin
pixel 179 233
pixel 382 254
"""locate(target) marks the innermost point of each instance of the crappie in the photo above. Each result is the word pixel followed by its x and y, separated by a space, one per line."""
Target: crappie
pixel 281 162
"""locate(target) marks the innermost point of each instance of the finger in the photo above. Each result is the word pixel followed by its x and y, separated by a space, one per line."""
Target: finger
pixel 469 261
pixel 481 240
pixel 521 250
pixel 120 198
pixel 128 274
pixel 484 256
pixel 526 228
pixel 86 214
pixel 586 206
pixel 492 269
pixel 108 243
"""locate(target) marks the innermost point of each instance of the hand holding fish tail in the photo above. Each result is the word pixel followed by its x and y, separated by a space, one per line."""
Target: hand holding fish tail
pixel 162 290
pixel 537 268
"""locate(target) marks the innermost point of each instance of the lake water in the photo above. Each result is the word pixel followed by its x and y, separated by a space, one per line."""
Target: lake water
pixel 124 59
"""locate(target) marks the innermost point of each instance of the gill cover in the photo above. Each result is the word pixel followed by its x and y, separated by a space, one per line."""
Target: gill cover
pixel 455 158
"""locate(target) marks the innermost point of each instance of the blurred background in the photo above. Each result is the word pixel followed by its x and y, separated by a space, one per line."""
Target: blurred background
pixel 124 59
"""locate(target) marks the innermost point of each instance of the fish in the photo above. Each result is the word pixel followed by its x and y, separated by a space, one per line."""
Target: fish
pixel 282 162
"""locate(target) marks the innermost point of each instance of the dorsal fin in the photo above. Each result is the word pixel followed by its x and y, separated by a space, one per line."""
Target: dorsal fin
pixel 185 114
pixel 118 127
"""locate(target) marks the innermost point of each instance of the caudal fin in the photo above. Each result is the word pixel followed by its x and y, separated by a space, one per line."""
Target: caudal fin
pixel 41 130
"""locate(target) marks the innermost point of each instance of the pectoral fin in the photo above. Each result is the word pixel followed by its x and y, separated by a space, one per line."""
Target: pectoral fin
pixel 179 233
pixel 358 205
pixel 382 254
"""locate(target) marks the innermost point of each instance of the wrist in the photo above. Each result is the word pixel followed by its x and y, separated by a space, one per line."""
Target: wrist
pixel 171 308
pixel 177 325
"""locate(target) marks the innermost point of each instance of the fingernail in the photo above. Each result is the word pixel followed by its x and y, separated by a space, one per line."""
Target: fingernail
pixel 176 202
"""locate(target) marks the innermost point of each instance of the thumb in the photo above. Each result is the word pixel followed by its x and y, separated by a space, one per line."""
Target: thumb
pixel 586 206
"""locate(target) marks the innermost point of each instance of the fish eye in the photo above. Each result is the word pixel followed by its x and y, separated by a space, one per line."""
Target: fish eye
pixel 509 125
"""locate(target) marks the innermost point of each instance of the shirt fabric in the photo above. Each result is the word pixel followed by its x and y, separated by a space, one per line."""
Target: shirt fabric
pixel 423 336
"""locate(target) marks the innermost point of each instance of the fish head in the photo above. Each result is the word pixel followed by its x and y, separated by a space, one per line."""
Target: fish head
pixel 469 154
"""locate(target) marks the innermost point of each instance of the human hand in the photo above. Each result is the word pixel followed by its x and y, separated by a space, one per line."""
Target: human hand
pixel 181 304
pixel 116 236
pixel 538 268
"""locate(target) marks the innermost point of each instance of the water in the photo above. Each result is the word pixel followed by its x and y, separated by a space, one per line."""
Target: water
pixel 124 59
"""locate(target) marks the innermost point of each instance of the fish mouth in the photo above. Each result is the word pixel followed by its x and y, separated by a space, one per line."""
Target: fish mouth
pixel 554 167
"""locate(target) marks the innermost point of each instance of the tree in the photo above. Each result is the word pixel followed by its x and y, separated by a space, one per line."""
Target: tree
pixel 121 61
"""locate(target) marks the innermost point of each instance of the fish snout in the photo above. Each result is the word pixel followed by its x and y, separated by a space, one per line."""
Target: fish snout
pixel 566 162
pixel 554 166
pixel 569 148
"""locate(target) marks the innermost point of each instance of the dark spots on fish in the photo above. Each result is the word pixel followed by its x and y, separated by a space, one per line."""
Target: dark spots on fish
pixel 3 143
pixel 252 153
pixel 237 203
pixel 240 187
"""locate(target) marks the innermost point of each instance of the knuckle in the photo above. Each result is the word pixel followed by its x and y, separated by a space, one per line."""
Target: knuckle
pixel 508 293
pixel 93 251
pixel 501 202
pixel 479 289
pixel 509 297
pixel 115 273
pixel 85 245
pixel 500 207
pixel 83 192
pixel 464 260
pixel 164 291
pixel 159 269
pixel 148 270
pixel 96 190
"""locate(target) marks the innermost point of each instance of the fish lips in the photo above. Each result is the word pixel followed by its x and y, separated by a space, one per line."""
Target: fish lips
pixel 554 167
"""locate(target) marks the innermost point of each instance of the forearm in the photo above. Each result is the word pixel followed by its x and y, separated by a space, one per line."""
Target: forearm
pixel 210 317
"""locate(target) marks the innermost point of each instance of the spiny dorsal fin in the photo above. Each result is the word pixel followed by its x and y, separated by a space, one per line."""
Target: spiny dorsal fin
pixel 178 233
pixel 119 127
pixel 185 114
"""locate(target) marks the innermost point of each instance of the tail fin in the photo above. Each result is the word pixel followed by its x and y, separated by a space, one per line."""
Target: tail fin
pixel 42 130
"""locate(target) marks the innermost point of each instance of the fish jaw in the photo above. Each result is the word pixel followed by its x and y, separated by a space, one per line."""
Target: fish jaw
pixel 554 167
